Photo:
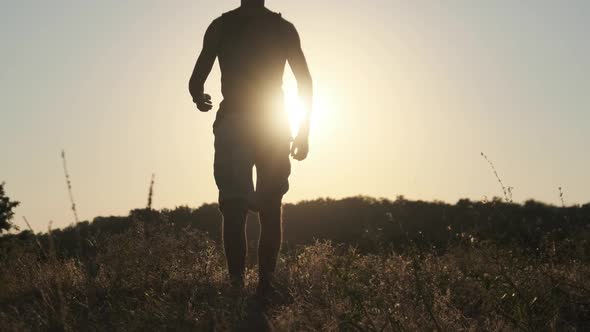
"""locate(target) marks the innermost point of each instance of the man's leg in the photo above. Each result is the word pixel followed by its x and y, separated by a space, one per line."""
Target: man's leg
pixel 234 240
pixel 271 237
pixel 273 168
pixel 233 174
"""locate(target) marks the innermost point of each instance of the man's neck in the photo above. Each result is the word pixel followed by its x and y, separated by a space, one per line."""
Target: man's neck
pixel 252 3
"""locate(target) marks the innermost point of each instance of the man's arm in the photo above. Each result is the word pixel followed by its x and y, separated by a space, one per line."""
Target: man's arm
pixel 203 68
pixel 300 69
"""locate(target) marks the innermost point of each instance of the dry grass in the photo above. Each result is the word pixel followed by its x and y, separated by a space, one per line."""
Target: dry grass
pixel 154 277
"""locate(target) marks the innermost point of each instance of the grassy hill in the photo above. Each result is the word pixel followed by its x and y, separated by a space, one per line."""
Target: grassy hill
pixel 356 264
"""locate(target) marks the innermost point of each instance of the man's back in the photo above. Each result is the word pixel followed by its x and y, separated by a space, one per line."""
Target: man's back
pixel 253 46
pixel 252 55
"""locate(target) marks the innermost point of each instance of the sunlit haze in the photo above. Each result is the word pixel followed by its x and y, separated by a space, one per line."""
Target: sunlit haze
pixel 407 96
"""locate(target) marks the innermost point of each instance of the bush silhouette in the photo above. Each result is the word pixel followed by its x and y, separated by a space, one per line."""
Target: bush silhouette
pixel 6 207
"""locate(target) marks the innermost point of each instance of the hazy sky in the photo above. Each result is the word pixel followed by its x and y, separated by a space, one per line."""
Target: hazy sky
pixel 408 95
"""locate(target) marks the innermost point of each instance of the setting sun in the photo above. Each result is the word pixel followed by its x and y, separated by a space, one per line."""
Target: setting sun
pixel 295 109
pixel 293 105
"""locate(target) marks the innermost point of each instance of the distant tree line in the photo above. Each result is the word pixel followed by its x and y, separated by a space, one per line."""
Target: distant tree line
pixel 367 223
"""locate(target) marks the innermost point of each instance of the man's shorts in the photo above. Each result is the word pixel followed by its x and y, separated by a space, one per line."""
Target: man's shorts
pixel 244 140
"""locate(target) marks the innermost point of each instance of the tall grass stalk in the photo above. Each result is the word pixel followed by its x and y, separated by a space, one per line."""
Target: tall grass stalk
pixel 506 190
pixel 151 192
pixel 561 196
pixel 34 235
pixel 69 185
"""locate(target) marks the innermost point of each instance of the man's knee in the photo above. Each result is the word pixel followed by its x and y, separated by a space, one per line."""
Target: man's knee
pixel 233 207
pixel 270 203
pixel 270 211
pixel 234 217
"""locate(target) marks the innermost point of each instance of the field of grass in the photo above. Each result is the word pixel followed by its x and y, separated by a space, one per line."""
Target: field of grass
pixel 155 274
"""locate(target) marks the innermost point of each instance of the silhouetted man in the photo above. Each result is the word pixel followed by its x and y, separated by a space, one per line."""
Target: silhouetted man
pixel 251 128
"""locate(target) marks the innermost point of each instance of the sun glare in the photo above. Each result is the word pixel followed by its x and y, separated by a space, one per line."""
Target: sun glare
pixel 295 109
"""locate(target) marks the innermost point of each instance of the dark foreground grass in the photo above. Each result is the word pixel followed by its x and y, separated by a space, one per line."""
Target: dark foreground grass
pixel 154 277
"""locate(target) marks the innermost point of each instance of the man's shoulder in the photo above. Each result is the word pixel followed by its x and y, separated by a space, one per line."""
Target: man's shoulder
pixel 236 15
pixel 282 19
pixel 288 28
pixel 226 17
pixel 230 14
pixel 286 25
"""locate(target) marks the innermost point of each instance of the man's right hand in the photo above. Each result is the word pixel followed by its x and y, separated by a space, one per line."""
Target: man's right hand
pixel 204 103
pixel 300 146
